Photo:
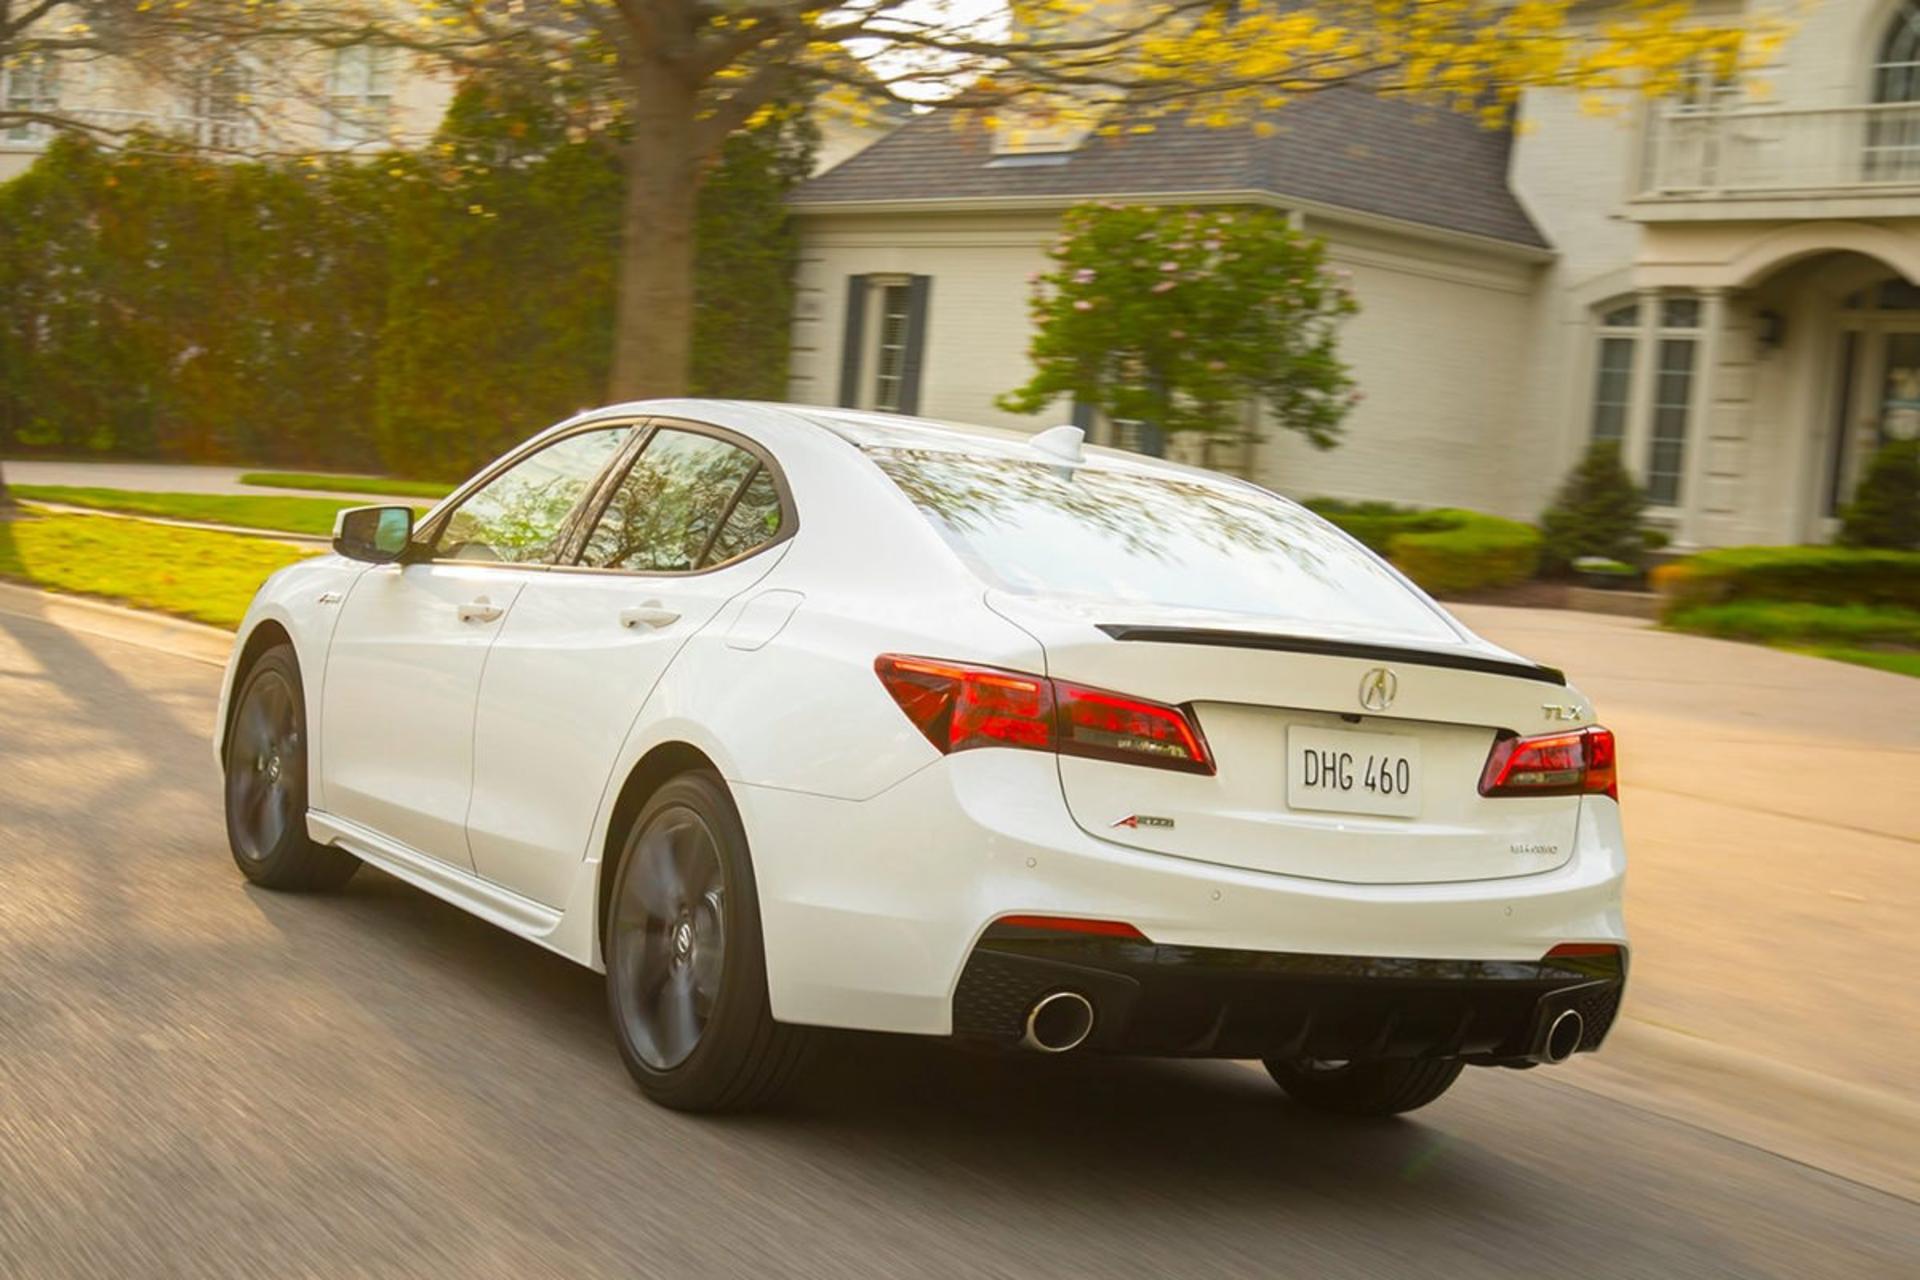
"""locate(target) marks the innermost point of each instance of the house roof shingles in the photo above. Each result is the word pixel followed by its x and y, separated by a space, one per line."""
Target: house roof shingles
pixel 1339 148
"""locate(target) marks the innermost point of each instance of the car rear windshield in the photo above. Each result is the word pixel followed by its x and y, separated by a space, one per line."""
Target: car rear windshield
pixel 1098 534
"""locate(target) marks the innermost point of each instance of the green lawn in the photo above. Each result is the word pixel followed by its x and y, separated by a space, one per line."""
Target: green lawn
pixel 1901 663
pixel 347 484
pixel 289 515
pixel 1884 637
pixel 208 577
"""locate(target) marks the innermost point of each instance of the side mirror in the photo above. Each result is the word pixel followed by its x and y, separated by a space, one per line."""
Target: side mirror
pixel 378 535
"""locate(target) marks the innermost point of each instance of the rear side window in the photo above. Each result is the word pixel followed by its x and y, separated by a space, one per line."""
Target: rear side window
pixel 755 519
pixel 676 507
pixel 1119 537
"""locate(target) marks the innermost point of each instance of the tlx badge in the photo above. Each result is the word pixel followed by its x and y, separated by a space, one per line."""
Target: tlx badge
pixel 1135 820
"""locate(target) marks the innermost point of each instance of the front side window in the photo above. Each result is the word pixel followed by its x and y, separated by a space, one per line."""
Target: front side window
pixel 1121 538
pixel 688 502
pixel 520 516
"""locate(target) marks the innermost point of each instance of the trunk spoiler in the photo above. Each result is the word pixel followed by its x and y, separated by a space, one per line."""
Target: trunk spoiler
pixel 1336 649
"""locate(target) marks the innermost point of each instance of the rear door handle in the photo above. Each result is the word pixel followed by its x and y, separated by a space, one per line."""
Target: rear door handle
pixel 650 614
pixel 481 610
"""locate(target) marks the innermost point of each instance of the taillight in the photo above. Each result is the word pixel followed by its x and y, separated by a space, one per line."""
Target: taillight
pixel 1553 764
pixel 958 707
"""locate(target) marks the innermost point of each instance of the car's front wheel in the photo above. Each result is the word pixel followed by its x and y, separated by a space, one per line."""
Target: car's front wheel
pixel 266 783
pixel 686 968
pixel 1381 1088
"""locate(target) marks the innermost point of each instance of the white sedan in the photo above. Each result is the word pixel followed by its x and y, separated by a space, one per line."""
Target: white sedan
pixel 788 717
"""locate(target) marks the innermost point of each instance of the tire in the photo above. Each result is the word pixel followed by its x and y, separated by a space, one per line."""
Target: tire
pixel 1384 1088
pixel 686 963
pixel 266 783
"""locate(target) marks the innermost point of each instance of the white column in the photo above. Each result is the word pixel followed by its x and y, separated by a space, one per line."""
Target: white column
pixel 1700 425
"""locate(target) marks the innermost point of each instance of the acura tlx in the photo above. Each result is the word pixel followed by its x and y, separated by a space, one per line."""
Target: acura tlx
pixel 788 718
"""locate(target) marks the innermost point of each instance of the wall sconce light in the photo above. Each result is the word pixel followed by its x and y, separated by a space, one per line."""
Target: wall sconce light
pixel 1772 329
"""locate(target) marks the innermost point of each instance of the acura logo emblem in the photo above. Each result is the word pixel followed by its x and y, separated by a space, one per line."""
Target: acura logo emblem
pixel 1378 689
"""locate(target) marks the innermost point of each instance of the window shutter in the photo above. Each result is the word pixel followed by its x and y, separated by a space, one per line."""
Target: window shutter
pixel 918 290
pixel 853 338
pixel 1083 417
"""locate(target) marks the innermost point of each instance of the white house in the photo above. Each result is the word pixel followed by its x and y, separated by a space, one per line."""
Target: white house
pixel 1729 285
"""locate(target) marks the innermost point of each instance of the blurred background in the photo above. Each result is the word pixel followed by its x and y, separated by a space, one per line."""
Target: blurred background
pixel 1601 321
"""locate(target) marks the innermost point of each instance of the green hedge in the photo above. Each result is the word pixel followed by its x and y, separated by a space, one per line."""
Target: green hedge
pixel 1447 551
pixel 1812 575
pixel 413 313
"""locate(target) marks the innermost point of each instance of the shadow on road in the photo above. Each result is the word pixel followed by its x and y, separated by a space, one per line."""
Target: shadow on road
pixel 1018 1118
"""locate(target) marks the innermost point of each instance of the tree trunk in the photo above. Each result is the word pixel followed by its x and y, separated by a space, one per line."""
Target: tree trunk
pixel 7 504
pixel 653 320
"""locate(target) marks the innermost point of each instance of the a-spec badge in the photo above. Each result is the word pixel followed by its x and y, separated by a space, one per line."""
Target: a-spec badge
pixel 1378 688
pixel 1136 820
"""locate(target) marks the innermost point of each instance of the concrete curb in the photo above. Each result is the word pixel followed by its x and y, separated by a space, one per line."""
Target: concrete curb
pixel 194 641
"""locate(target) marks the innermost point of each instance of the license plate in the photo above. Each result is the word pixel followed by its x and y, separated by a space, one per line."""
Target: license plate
pixel 1339 772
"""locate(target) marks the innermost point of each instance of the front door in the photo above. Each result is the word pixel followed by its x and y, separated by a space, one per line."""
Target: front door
pixel 697 519
pixel 403 671
pixel 1879 401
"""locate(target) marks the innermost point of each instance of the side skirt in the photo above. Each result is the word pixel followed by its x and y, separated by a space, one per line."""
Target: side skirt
pixel 517 915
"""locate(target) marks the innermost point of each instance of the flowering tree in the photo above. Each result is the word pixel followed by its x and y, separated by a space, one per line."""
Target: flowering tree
pixel 1183 317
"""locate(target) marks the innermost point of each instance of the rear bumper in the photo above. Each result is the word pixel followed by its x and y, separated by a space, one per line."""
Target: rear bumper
pixel 1152 998
pixel 871 909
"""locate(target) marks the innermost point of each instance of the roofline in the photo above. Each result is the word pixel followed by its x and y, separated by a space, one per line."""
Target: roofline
pixel 803 207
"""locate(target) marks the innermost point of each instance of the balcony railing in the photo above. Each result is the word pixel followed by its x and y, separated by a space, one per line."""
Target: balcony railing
pixel 1770 150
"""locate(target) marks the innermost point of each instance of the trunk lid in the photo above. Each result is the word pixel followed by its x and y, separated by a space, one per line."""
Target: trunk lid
pixel 1288 717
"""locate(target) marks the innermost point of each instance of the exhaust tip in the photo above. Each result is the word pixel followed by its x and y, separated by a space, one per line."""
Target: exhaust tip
pixel 1059 1022
pixel 1564 1034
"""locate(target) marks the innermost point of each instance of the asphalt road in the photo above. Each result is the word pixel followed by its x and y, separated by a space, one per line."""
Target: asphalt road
pixel 202 1079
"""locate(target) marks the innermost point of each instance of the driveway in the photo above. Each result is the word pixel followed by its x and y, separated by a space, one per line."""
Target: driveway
pixel 1772 806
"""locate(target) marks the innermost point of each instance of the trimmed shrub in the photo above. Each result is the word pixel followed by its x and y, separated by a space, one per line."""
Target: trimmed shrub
pixel 1472 552
pixel 1447 550
pixel 1376 523
pixel 1814 575
pixel 1885 511
pixel 1598 512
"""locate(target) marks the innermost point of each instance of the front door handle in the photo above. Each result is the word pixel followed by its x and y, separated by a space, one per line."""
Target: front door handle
pixel 650 614
pixel 481 610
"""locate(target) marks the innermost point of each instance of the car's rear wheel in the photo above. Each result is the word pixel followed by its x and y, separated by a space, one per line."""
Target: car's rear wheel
pixel 1381 1088
pixel 266 786
pixel 686 967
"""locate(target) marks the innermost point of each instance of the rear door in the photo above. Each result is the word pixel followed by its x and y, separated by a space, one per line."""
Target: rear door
pixel 700 516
